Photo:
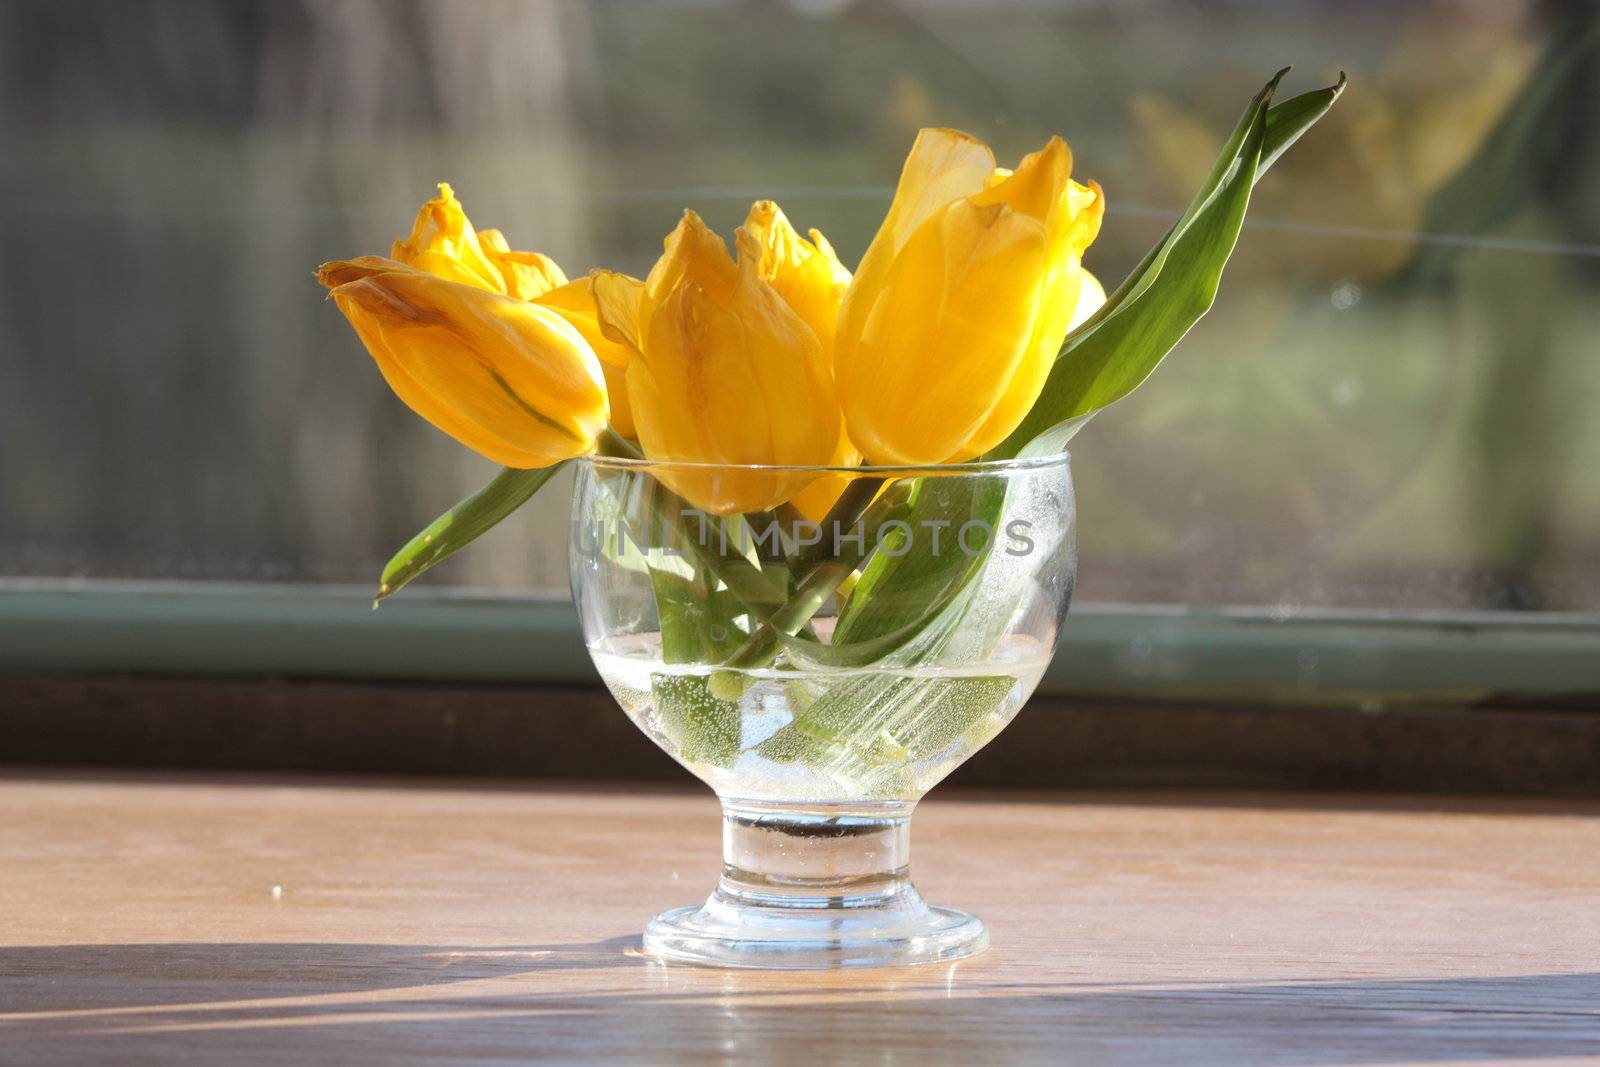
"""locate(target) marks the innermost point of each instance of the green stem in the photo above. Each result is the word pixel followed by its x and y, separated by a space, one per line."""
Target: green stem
pixel 845 513
pixel 613 444
pixel 818 578
pixel 809 596
pixel 789 516
pixel 742 577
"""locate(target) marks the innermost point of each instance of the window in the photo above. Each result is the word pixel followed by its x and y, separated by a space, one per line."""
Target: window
pixel 1391 407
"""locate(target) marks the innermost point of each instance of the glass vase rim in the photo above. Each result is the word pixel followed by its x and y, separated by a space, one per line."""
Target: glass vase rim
pixel 896 470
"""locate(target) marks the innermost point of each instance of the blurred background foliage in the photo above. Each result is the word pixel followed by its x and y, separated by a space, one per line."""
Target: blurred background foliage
pixel 1393 404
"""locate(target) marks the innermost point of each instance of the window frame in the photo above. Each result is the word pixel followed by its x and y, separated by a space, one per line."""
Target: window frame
pixel 1366 660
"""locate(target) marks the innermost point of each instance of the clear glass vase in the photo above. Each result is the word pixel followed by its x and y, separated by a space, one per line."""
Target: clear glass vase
pixel 820 646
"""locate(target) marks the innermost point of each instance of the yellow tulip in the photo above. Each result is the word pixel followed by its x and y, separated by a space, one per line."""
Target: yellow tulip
pixel 812 281
pixel 443 242
pixel 509 379
pixel 722 371
pixel 963 299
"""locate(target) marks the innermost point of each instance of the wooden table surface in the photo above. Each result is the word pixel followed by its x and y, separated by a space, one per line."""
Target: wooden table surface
pixel 150 920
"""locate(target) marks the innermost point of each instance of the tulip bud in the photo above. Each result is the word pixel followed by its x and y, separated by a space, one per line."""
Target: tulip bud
pixel 444 243
pixel 723 371
pixel 509 379
pixel 963 299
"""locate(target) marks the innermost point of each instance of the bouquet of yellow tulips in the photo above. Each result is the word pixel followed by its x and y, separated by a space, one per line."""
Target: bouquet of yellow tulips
pixel 904 423
pixel 969 330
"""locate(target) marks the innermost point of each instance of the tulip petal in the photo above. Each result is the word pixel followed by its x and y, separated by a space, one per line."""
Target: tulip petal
pixel 575 302
pixel 339 271
pixel 1035 187
pixel 841 273
pixel 694 254
pixel 806 274
pixel 528 275
pixel 1072 219
pixel 617 397
pixel 1091 296
pixel 943 335
pixel 510 379
pixel 397 373
pixel 617 301
pixel 1086 207
pixel 443 243
pixel 943 166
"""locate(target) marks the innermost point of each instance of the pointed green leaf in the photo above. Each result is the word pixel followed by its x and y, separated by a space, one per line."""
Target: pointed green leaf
pixel 695 628
pixel 867 728
pixel 1120 345
pixel 1288 120
pixel 915 575
pixel 462 524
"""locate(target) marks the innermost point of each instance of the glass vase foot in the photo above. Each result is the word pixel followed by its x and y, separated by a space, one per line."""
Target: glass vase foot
pixel 812 890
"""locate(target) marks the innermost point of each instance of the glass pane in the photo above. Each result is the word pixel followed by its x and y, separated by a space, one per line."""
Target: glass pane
pixel 1392 404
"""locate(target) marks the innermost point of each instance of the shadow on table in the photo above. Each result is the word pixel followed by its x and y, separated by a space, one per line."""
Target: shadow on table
pixel 82 978
pixel 397 1003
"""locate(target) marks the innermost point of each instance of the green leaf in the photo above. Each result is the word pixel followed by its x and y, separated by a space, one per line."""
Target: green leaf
pixel 462 525
pixel 696 625
pixel 1108 356
pixel 871 725
pixel 861 652
pixel 1288 120
pixel 823 577
pixel 897 593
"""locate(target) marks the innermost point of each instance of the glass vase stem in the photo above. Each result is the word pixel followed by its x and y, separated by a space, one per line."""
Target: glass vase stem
pixel 817 887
